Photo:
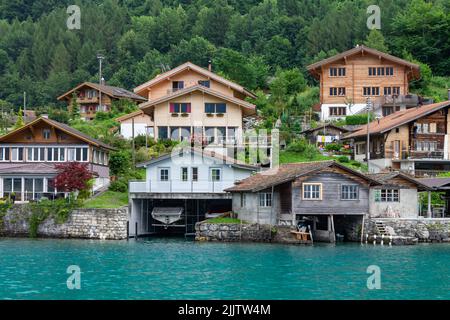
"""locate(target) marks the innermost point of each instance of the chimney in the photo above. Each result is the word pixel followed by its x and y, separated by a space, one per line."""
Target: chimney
pixel 102 82
pixel 210 65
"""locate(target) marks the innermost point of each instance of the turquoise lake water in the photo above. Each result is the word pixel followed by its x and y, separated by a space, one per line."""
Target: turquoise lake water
pixel 178 269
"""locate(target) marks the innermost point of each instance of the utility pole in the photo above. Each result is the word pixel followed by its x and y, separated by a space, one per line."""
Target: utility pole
pixel 24 107
pixel 100 58
pixel 369 108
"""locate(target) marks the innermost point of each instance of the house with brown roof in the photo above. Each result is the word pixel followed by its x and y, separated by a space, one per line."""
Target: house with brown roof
pixel 28 156
pixel 94 97
pixel 415 141
pixel 191 103
pixel 327 196
pixel 348 79
pixel 324 134
pixel 182 188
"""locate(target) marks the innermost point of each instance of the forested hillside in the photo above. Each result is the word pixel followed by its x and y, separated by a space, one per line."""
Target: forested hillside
pixel 264 45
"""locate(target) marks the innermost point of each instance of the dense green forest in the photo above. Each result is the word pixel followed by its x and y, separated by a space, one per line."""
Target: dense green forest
pixel 264 45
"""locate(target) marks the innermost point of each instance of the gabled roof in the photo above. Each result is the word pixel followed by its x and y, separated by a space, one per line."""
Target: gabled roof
pixel 363 49
pixel 203 89
pixel 61 126
pixel 129 116
pixel 398 119
pixel 384 178
pixel 289 172
pixel 113 92
pixel 190 66
pixel 328 125
pixel 204 153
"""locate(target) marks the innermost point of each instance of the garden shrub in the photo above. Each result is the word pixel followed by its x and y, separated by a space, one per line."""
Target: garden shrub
pixel 343 159
pixel 119 186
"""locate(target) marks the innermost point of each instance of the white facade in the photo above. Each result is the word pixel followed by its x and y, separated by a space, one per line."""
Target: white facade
pixel 126 130
pixel 190 173
pixel 349 111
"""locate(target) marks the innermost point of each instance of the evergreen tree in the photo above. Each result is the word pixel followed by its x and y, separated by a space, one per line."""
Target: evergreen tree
pixel 19 122
pixel 375 40
pixel 75 108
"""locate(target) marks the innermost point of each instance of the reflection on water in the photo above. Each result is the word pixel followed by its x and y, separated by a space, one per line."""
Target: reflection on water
pixel 170 268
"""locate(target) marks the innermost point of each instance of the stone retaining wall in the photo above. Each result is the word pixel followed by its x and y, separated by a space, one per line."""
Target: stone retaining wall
pixel 104 224
pixel 425 230
pixel 244 233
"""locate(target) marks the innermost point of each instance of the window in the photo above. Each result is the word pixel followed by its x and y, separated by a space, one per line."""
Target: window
pixel 387 195
pixel 194 174
pixel 216 174
pixel 338 111
pixel 360 148
pixel 243 200
pixel 210 134
pixel 371 91
pixel 337 91
pixel 205 83
pixel 184 174
pixel 46 133
pixel 312 191
pixel 381 71
pixel 180 108
pixel 177 85
pixel 85 155
pixel 71 155
pixel 215 108
pixel 36 154
pixel 265 199
pixel 337 72
pixel 4 154
pixel 17 154
pixel 396 91
pixel 163 133
pixel 349 192
pixel 221 134
pixel 164 174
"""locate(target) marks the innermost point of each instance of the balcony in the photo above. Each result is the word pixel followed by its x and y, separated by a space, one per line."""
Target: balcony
pixel 436 154
pixel 391 100
pixel 177 186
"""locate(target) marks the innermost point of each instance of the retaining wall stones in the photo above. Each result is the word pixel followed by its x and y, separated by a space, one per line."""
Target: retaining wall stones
pixel 425 230
pixel 103 224
pixel 244 233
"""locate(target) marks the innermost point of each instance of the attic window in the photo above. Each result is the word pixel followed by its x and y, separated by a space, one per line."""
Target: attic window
pixel 46 134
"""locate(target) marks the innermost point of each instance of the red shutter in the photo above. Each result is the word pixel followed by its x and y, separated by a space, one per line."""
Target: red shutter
pixel 188 108
pixel 172 108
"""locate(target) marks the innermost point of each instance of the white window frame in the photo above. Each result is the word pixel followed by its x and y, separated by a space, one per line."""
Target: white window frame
pixel 265 199
pixel 307 195
pixel 12 154
pixel 182 172
pixel 348 192
pixel 160 174
pixel 212 175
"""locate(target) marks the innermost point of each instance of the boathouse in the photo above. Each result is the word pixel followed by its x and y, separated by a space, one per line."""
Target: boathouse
pixel 326 195
pixel 181 189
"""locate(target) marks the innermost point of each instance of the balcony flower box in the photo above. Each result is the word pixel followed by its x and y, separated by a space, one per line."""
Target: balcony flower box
pixel 220 115
pixel 185 114
pixel 174 114
pixel 210 115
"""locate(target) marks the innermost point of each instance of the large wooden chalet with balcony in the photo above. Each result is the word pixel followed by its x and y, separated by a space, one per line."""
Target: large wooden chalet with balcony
pixel 415 140
pixel 348 79
pixel 93 97
pixel 28 156
pixel 191 103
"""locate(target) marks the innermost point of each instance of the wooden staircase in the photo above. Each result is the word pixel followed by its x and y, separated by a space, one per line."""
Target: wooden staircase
pixel 381 228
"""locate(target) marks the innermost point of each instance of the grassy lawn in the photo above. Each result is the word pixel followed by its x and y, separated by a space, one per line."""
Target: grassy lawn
pixel 224 220
pixel 293 157
pixel 108 200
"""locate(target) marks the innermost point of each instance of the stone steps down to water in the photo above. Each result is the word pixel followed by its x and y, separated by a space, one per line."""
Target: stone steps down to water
pixel 102 224
pixel 408 231
pixel 228 232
